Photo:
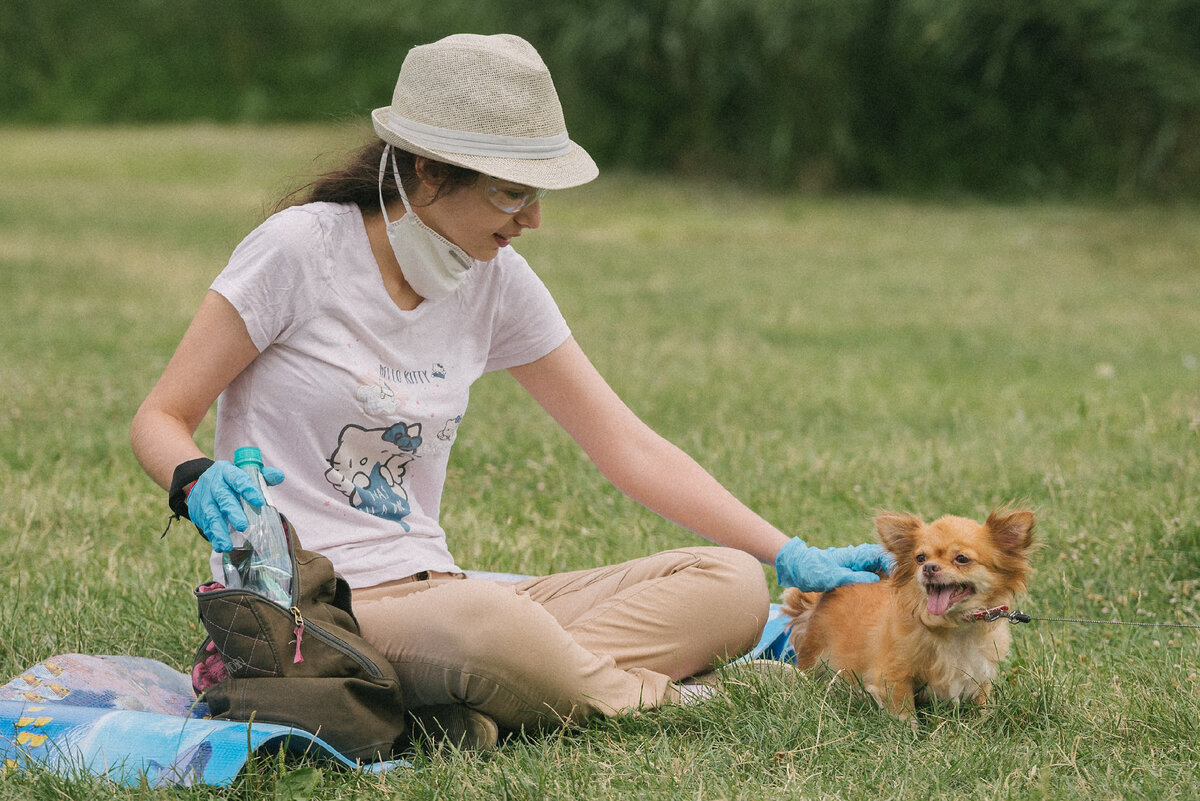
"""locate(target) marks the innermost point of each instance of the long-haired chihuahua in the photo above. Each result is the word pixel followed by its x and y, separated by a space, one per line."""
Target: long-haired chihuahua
pixel 917 634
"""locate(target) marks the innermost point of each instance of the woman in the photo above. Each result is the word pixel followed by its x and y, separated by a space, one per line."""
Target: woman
pixel 343 337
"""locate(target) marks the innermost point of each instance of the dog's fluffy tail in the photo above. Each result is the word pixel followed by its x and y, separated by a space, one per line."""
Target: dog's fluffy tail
pixel 799 607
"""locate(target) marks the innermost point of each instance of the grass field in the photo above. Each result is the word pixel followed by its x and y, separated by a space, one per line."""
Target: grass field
pixel 825 358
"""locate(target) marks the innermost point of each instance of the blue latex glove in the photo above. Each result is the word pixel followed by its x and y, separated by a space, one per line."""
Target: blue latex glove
pixel 819 570
pixel 215 502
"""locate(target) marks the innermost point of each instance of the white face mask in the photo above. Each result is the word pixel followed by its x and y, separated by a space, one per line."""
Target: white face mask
pixel 433 265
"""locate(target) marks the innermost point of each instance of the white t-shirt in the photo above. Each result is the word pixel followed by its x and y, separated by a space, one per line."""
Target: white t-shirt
pixel 357 400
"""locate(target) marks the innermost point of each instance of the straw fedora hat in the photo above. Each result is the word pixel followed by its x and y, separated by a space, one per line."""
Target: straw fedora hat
pixel 486 103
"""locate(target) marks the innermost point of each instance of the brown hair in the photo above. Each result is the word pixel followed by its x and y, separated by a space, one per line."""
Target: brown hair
pixel 357 181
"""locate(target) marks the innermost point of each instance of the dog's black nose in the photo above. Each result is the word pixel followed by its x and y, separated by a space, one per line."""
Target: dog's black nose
pixel 931 568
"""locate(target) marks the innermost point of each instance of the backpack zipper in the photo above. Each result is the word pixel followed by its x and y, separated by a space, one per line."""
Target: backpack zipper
pixel 299 632
pixel 338 644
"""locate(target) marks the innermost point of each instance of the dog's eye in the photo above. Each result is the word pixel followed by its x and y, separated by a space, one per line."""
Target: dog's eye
pixel 962 559
pixel 921 558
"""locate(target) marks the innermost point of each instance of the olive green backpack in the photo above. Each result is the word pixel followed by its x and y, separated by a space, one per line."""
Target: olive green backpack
pixel 307 667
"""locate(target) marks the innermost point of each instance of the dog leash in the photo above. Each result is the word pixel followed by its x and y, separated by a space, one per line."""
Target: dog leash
pixel 1016 616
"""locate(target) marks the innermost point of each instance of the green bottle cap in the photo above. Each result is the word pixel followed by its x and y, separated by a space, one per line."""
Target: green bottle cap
pixel 247 455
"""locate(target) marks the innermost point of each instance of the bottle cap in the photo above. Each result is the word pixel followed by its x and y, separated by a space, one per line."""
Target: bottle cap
pixel 247 455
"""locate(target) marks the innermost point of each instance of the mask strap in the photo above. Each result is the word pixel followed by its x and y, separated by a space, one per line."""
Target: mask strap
pixel 382 165
pixel 400 185
pixel 387 149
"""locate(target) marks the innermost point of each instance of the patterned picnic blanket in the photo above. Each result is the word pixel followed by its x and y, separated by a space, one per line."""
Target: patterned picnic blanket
pixel 128 718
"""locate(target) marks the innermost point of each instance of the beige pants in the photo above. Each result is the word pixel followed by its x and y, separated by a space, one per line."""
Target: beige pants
pixel 556 649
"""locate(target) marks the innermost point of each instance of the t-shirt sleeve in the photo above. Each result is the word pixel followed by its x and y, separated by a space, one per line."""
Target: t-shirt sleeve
pixel 528 322
pixel 265 278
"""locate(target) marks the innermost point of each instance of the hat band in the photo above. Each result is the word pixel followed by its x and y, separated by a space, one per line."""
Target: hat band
pixel 469 143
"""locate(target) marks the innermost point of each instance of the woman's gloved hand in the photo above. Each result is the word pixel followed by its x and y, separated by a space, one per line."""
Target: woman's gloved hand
pixel 819 570
pixel 213 501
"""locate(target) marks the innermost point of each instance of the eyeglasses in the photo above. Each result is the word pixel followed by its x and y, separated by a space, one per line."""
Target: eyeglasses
pixel 511 198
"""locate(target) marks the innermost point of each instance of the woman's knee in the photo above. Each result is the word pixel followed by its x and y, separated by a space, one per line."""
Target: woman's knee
pixel 741 573
pixel 736 595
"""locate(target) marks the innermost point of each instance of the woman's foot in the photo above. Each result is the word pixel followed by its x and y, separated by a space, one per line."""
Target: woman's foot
pixel 695 689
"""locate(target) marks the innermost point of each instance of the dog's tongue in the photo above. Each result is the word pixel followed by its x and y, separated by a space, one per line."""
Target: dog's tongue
pixel 940 599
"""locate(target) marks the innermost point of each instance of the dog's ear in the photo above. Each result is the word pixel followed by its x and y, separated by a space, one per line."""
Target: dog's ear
pixel 896 531
pixel 1012 531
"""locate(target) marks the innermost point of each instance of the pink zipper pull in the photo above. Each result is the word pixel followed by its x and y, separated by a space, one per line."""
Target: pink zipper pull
pixel 299 632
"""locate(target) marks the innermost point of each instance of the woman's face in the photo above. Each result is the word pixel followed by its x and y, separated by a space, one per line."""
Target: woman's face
pixel 468 218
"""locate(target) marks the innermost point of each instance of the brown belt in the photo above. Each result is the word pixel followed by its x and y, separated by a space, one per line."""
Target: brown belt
pixel 380 591
pixel 424 575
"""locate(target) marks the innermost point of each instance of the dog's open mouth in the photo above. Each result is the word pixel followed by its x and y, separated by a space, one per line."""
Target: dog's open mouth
pixel 944 596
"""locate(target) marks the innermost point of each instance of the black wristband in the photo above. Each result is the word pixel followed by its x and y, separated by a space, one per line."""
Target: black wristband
pixel 181 483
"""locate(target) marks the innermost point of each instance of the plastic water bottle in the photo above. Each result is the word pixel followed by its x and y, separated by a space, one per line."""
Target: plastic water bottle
pixel 260 560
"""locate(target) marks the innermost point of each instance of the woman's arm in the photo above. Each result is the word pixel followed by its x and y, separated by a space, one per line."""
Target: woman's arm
pixel 215 348
pixel 638 461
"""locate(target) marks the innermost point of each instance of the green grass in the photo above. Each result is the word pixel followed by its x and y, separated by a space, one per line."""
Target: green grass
pixel 826 358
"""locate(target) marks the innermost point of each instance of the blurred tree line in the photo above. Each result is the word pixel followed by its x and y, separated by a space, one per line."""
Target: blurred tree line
pixel 1013 98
